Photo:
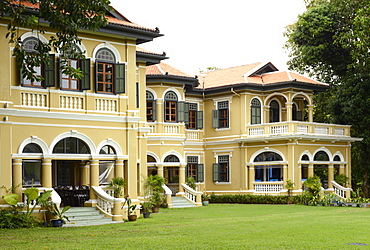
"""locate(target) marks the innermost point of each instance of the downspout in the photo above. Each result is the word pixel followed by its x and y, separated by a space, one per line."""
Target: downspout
pixel 232 91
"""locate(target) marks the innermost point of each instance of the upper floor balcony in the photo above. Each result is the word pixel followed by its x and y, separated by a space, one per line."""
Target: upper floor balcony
pixel 298 129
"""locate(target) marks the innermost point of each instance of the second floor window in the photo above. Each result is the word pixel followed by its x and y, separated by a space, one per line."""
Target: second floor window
pixel 220 117
pixel 170 100
pixel 110 76
pixel 150 107
pixel 193 117
pixel 69 82
pixel 46 71
pixel 274 111
pixel 255 111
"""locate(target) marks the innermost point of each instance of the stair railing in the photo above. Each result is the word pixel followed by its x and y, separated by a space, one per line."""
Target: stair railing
pixel 168 194
pixel 192 195
pixel 108 205
pixel 341 191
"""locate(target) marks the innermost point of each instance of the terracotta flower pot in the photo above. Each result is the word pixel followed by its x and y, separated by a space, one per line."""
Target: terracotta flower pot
pixel 132 217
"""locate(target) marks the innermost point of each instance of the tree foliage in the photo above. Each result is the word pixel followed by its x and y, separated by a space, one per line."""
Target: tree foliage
pixel 67 18
pixel 330 42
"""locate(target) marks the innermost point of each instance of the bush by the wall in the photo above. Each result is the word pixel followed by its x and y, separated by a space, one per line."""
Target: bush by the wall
pixel 253 199
pixel 11 219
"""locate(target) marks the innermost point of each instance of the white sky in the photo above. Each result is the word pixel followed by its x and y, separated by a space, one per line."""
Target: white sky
pixel 206 33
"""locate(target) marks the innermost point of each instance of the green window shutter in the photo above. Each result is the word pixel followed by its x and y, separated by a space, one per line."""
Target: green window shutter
pixel 200 172
pixel 216 170
pixel 180 111
pixel 215 118
pixel 137 95
pixel 86 71
pixel 199 119
pixel 96 76
pixel 21 79
pixel 154 110
pixel 119 78
pixel 186 113
pixel 187 171
pixel 49 71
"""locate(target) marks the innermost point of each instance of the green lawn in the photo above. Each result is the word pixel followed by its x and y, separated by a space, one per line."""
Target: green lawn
pixel 213 227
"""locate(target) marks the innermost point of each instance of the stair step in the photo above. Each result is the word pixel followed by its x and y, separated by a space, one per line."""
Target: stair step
pixel 87 216
pixel 181 202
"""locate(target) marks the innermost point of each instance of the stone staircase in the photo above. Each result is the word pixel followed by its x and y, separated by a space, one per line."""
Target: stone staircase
pixel 181 202
pixel 86 216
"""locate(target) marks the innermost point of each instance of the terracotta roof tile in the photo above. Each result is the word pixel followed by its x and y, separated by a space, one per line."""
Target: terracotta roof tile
pixel 164 69
pixel 111 20
pixel 246 74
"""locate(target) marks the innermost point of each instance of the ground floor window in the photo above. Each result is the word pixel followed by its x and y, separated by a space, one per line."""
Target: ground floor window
pixel 195 170
pixel 304 170
pixel 221 169
pixel 269 173
pixel 31 172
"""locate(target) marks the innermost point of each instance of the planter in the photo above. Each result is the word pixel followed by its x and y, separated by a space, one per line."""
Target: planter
pixel 146 215
pixel 57 223
pixel 132 217
pixel 155 209
pixel 205 203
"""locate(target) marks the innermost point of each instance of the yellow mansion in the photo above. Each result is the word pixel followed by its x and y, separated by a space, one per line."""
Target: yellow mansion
pixel 246 129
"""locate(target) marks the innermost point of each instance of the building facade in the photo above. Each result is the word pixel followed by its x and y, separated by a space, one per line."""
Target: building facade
pixel 247 129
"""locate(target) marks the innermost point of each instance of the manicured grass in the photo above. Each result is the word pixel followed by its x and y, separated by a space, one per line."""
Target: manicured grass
pixel 213 227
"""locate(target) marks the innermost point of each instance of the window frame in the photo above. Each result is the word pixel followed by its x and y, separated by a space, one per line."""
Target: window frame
pixel 256 111
pixel 32 181
pixel 151 110
pixel 194 169
pixel 221 115
pixel 171 107
pixel 221 169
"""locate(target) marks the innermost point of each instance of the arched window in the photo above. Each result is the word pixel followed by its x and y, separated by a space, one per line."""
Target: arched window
pixel 150 107
pixel 336 158
pixel 107 150
pixel 71 145
pixel 305 158
pixel 69 82
pixel 30 45
pixel 268 156
pixel 255 111
pixel 170 100
pixel 171 158
pixel 150 158
pixel 274 111
pixel 321 156
pixel 110 76
pixel 268 172
pixel 32 148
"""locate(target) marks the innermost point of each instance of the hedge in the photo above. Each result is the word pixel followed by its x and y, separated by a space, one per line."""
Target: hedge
pixel 254 199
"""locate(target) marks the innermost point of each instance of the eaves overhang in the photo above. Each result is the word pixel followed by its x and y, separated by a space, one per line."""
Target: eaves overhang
pixel 188 81
pixel 150 58
pixel 265 87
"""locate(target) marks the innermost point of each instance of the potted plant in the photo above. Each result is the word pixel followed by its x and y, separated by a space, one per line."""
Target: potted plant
pixel 205 199
pixel 154 185
pixel 118 184
pixel 59 216
pixel 130 209
pixel 147 207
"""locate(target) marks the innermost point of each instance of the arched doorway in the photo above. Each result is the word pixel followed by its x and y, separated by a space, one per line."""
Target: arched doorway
pixel 321 167
pixel 171 172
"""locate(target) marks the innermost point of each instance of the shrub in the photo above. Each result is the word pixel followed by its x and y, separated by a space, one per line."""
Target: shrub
pixel 11 219
pixel 250 199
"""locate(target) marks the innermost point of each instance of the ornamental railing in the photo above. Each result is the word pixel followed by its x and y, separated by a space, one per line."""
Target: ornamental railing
pixel 71 102
pixel 106 105
pixel 268 187
pixel 108 205
pixel 341 191
pixel 33 99
pixel 168 194
pixel 192 195
pixel 295 127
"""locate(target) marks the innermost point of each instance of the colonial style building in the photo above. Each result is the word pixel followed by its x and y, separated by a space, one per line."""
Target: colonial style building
pixel 246 129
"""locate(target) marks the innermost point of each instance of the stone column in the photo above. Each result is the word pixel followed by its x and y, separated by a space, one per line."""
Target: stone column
pixel 94 177
pixel 310 170
pixel 310 113
pixel 119 169
pixel 181 176
pixel 84 173
pixel 289 109
pixel 330 175
pixel 17 177
pixel 160 170
pixel 46 173
pixel 251 177
pixel 341 169
pixel 285 174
